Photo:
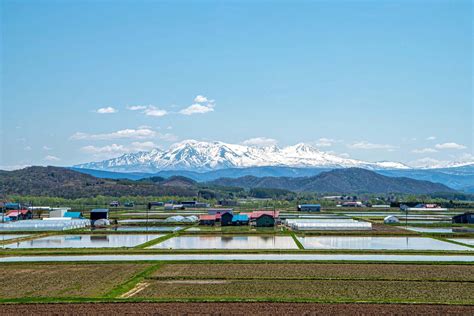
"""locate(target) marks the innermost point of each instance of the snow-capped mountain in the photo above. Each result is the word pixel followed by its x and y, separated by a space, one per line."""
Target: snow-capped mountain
pixel 205 156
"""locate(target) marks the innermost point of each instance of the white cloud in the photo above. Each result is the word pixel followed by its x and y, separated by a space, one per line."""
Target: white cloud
pixel 450 146
pixel 107 110
pixel 200 99
pixel 140 133
pixel 51 158
pixel 154 111
pixel 109 149
pixel 260 142
pixel 424 150
pixel 197 109
pixel 117 149
pixel 47 148
pixel 27 148
pixel 344 155
pixel 325 142
pixel 149 110
pixel 367 145
pixel 136 107
pixel 431 138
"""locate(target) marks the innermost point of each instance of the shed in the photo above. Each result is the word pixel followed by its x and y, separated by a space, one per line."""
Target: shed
pixel 309 207
pixel 19 215
pixel 391 219
pixel 240 219
pixel 214 211
pixel 74 215
pixel 12 206
pixel 58 213
pixel 207 219
pixel 226 219
pixel 265 220
pixel 466 218
pixel 99 213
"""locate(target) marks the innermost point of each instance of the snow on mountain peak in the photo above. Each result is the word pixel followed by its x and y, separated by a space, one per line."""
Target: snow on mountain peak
pixel 202 156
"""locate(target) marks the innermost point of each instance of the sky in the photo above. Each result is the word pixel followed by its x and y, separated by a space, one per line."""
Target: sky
pixel 373 80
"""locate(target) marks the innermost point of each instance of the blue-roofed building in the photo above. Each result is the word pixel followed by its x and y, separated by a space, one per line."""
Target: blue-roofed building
pixel 73 215
pixel 309 208
pixel 240 219
pixel 12 206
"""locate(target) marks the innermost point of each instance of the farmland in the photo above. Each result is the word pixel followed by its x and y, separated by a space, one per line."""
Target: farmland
pixel 64 280
pixel 227 281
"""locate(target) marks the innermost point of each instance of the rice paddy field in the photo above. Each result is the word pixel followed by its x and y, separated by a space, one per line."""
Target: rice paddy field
pixel 219 285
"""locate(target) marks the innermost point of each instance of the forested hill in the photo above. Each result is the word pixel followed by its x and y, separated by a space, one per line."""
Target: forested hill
pixel 350 180
pixel 66 183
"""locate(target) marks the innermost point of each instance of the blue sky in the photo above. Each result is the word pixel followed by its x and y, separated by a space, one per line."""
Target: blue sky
pixel 373 80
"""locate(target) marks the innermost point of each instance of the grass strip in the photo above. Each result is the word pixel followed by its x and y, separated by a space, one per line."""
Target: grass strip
pixel 297 242
pixel 452 241
pixel 157 240
pixel 131 283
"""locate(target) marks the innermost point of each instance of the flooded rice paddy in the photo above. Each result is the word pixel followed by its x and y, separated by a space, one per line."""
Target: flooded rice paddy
pixel 378 243
pixel 84 241
pixel 231 242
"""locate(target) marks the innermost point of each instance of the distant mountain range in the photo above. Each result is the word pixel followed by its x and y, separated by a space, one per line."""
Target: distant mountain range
pixel 207 161
pixel 460 178
pixel 67 183
pixel 207 156
pixel 350 180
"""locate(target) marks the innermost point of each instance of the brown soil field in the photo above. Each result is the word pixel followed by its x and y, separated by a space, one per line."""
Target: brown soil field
pixel 63 280
pixel 232 309
pixel 315 270
pixel 333 290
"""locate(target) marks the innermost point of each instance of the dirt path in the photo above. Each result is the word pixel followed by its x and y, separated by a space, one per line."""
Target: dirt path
pixel 138 288
pixel 232 309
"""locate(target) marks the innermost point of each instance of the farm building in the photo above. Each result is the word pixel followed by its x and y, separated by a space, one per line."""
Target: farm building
pixel 309 208
pixel 99 213
pixel 12 206
pixel 173 207
pixel 207 220
pixel 75 215
pixel 352 204
pixel 194 204
pixel 58 212
pixel 151 204
pixel 240 219
pixel 227 203
pixel 214 211
pixel 423 207
pixel 226 218
pixel 342 224
pixel 265 220
pixel 19 215
pixel 466 218
pixel 381 206
pixel 391 219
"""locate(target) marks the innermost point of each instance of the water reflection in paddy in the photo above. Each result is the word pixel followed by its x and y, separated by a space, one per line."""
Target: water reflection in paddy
pixel 438 230
pixel 378 243
pixel 85 241
pixel 228 242
pixel 163 229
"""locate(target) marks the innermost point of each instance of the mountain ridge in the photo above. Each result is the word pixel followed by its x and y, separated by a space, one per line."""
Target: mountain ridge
pixel 349 180
pixel 206 156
